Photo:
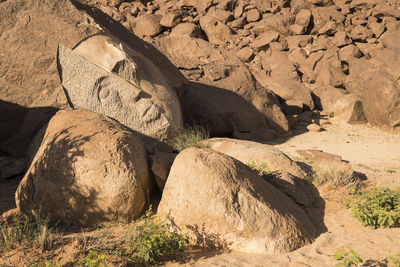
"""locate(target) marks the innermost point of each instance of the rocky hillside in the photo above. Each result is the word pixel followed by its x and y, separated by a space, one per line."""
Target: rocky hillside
pixel 104 105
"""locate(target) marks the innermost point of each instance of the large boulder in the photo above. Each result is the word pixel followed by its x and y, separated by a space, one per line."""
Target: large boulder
pixel 89 169
pixel 217 197
pixel 30 32
pixel 204 63
pixel 248 151
pixel 223 113
pixel 379 87
pixel 286 175
pixel 105 75
pixel 344 106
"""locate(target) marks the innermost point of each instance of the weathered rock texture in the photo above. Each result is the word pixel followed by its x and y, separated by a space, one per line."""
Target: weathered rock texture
pixel 89 169
pixel 105 75
pixel 203 63
pixel 286 175
pixel 30 32
pixel 379 87
pixel 247 151
pixel 216 196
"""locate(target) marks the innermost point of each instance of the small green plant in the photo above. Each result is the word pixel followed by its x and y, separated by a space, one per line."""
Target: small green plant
pixel 95 259
pixel 261 169
pixel 347 258
pixel 47 264
pixel 189 137
pixel 27 231
pixel 151 239
pixel 394 260
pixel 377 207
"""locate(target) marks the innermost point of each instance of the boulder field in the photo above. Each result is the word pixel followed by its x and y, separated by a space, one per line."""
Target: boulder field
pixel 93 92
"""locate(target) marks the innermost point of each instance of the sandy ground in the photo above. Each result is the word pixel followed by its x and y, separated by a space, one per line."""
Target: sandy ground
pixel 371 152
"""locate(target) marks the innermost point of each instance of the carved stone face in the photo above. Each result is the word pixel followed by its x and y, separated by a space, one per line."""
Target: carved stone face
pixel 107 76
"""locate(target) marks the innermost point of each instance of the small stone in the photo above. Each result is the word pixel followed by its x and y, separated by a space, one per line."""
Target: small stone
pixel 171 19
pixel 245 54
pixel 188 29
pixel 264 39
pixel 341 39
pixel 314 127
pixel 297 29
pixel 253 15
pixel 303 18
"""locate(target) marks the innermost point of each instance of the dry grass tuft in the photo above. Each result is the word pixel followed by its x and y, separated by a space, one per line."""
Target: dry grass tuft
pixel 336 176
pixel 189 137
pixel 27 232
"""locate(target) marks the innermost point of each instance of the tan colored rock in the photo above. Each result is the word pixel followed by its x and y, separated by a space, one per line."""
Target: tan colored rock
pixel 222 69
pixel 220 14
pixel 283 79
pixel 171 19
pixel 88 170
pixel 216 31
pixel 377 28
pixel 303 18
pixel 345 106
pixel 253 15
pixel 248 151
pixel 189 29
pixel 243 211
pixel 297 29
pixel 383 9
pixel 30 87
pixel 147 25
pixel 264 39
pixel 379 81
pixel 349 52
pixel 360 33
pixel 245 54
pixel 314 127
pixel 119 85
pixel 341 39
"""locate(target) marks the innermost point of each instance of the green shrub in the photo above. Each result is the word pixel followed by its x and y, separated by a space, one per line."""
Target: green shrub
pixel 94 259
pixel 377 207
pixel 261 169
pixel 151 239
pixel 394 260
pixel 189 137
pixel 27 231
pixel 47 264
pixel 347 258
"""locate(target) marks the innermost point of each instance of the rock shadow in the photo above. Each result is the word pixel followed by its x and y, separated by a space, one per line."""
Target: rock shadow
pixel 225 113
pixel 69 203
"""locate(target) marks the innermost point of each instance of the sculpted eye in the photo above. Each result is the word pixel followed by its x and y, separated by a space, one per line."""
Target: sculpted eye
pixel 102 88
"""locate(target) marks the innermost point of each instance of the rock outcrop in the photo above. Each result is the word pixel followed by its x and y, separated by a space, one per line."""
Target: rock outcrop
pixel 30 32
pixel 105 75
pixel 88 170
pixel 215 196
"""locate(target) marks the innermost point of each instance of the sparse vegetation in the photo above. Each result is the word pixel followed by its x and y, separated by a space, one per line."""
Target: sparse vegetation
pixel 189 137
pixel 394 260
pixel 27 231
pixel 262 170
pixel 95 259
pixel 151 239
pixel 377 207
pixel 347 258
pixel 335 176
pixel 47 264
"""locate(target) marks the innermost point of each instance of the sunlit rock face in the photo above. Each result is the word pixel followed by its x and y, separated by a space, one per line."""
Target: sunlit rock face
pixel 105 75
